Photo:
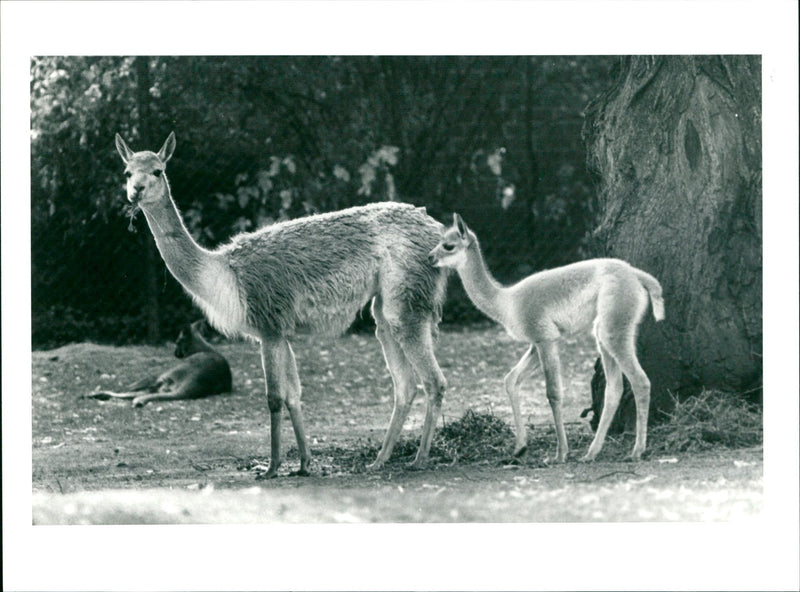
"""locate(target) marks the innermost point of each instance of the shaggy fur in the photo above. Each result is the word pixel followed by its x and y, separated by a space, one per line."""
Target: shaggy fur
pixel 312 274
pixel 316 273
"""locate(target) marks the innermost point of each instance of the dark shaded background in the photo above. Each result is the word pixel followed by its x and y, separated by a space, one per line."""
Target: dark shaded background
pixel 261 139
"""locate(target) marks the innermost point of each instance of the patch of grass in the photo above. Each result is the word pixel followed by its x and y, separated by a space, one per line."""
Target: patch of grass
pixel 712 418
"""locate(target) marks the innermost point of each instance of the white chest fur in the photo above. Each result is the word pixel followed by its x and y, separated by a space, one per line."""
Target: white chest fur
pixel 219 296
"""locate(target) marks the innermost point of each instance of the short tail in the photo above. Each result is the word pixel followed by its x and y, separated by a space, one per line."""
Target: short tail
pixel 654 290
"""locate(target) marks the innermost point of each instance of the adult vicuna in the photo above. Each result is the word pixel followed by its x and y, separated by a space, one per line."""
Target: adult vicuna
pixel 313 274
pixel 202 372
pixel 608 294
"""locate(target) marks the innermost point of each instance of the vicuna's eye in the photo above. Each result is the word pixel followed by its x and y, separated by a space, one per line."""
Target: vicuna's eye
pixel 128 174
pixel 157 172
pixel 448 247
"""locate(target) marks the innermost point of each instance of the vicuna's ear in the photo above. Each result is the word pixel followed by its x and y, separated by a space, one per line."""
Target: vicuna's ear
pixel 168 148
pixel 460 226
pixel 124 152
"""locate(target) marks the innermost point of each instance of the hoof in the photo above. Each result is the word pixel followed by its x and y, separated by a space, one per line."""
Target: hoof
pixel 417 465
pixel 300 473
pixel 271 474
pixel 521 452
pixel 374 467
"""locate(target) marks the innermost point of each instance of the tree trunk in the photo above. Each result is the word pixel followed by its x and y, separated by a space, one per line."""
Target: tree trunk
pixel 676 146
pixel 152 258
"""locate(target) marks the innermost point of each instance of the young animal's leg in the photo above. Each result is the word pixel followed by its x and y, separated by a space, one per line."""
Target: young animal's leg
pixel 511 383
pixel 611 398
pixel 615 331
pixel 405 388
pixel 640 385
pixel 548 353
pixel 418 347
pixel 291 384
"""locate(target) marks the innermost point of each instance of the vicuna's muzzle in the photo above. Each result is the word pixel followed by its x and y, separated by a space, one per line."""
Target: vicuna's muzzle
pixel 136 195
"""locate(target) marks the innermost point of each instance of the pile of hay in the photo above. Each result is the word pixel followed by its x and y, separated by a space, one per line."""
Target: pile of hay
pixel 710 419
pixel 474 437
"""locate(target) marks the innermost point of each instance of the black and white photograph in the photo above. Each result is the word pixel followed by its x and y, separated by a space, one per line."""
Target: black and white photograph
pixel 400 295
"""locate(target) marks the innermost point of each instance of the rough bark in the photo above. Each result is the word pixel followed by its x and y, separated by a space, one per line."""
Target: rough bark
pixel 676 148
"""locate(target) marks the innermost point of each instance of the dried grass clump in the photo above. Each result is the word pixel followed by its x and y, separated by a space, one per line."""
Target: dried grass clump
pixel 476 436
pixel 473 437
pixel 709 419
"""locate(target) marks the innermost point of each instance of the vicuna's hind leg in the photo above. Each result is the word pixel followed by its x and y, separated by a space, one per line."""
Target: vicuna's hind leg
pixel 418 347
pixel 405 388
pixel 283 388
pixel 640 385
pixel 618 352
pixel 551 363
pixel 611 397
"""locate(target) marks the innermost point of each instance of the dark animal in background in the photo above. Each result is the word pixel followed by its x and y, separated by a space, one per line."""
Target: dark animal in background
pixel 202 373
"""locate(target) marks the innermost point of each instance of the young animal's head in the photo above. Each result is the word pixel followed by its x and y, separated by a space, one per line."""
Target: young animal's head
pixel 146 181
pixel 452 249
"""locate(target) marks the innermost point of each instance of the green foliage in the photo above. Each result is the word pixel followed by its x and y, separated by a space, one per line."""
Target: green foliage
pixel 264 139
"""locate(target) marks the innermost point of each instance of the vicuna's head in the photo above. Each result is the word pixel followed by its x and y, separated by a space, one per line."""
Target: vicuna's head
pixel 146 181
pixel 452 249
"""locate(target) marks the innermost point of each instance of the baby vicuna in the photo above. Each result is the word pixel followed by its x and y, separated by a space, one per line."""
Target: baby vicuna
pixel 310 274
pixel 608 294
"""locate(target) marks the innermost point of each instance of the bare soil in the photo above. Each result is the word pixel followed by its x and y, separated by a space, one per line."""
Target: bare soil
pixel 104 462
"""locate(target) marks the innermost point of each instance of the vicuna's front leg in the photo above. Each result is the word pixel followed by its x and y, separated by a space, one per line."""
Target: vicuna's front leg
pixel 511 383
pixel 283 387
pixel 548 352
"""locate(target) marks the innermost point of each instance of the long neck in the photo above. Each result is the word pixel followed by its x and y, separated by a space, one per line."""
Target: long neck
pixel 183 256
pixel 484 291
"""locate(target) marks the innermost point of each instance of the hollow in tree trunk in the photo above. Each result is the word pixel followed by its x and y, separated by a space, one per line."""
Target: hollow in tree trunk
pixel 676 147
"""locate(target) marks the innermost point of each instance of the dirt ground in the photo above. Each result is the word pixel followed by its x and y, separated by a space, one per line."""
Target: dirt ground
pixel 104 462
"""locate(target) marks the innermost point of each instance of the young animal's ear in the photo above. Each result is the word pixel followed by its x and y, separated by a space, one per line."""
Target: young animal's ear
pixel 124 152
pixel 167 149
pixel 460 226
